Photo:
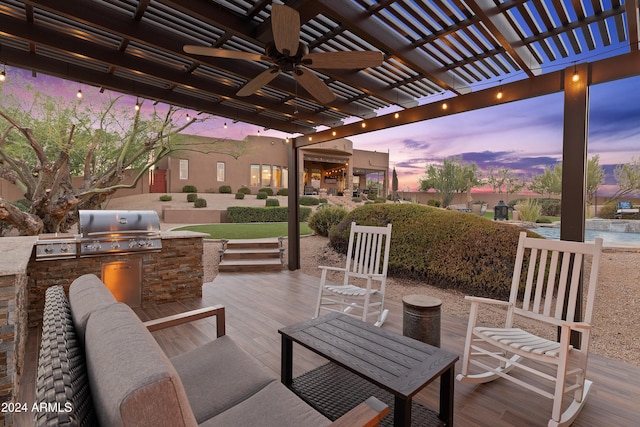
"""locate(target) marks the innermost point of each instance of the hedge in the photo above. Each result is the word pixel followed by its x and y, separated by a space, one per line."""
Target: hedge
pixel 309 201
pixel 225 189
pixel 261 195
pixel 239 195
pixel 267 190
pixel 283 192
pixel 240 214
pixel 189 189
pixel 442 248
pixel 200 203
pixel 244 190
pixel 191 197
pixel 165 198
pixel 272 202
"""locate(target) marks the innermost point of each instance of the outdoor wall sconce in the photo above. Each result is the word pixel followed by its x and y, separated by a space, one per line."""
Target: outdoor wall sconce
pixel 501 211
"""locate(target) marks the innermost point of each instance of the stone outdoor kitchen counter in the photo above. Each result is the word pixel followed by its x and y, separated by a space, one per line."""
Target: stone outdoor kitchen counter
pixel 15 253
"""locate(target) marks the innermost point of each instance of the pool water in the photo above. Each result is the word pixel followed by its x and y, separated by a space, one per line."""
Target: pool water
pixel 590 235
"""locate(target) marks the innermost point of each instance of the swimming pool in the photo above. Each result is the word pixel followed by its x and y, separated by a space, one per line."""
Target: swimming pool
pixel 590 235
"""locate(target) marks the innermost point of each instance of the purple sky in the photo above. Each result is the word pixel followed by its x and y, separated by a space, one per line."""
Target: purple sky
pixel 524 136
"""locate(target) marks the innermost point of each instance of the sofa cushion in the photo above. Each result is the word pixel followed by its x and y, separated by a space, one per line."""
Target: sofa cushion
pixel 273 406
pixel 133 382
pixel 62 375
pixel 86 294
pixel 234 372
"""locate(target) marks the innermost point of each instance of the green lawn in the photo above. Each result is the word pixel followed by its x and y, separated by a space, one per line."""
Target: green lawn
pixel 246 231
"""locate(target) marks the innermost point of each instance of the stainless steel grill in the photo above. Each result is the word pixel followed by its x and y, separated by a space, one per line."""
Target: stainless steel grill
pixel 118 232
pixel 56 246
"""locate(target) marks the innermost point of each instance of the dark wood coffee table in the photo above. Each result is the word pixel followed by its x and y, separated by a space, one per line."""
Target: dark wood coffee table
pixel 400 365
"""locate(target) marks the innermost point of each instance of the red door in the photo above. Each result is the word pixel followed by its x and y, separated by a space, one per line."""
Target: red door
pixel 159 181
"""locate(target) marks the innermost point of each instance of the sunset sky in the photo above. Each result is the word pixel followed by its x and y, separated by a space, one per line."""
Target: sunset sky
pixel 524 136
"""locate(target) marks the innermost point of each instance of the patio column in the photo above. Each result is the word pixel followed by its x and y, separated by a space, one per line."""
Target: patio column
pixel 574 164
pixel 294 206
pixel 574 153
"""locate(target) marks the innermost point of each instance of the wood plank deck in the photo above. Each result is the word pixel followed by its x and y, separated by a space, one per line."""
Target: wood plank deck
pixel 258 304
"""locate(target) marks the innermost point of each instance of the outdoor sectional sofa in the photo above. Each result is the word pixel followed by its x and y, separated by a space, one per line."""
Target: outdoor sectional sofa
pixel 100 365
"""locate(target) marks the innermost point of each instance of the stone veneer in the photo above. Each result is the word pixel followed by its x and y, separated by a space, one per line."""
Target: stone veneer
pixel 176 273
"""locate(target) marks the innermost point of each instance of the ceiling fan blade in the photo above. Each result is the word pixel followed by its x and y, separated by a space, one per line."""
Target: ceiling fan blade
pixel 285 23
pixel 314 85
pixel 257 82
pixel 364 59
pixel 224 53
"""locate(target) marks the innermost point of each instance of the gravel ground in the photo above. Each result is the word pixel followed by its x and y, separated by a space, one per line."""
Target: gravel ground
pixel 617 310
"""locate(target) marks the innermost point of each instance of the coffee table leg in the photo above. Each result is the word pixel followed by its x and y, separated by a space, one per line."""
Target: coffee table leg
pixel 446 396
pixel 402 412
pixel 286 367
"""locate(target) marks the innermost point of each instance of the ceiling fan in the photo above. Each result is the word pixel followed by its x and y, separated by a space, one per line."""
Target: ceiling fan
pixel 288 54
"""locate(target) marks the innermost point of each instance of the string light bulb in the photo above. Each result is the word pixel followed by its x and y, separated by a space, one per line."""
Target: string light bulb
pixel 188 117
pixel 3 73
pixel 363 125
pixel 333 133
pixel 137 107
pixel 79 94
pixel 444 106
pixel 575 76
pixel 499 94
pixel 396 115
pixel 225 125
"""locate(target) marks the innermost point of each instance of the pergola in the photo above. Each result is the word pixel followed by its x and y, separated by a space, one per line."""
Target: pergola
pixel 464 51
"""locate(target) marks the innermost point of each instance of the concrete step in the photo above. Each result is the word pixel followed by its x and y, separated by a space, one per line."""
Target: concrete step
pixel 253 244
pixel 230 266
pixel 251 253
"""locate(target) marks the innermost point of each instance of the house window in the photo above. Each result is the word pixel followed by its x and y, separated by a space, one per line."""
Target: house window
pixel 255 176
pixel 184 169
pixel 277 176
pixel 285 177
pixel 266 175
pixel 220 172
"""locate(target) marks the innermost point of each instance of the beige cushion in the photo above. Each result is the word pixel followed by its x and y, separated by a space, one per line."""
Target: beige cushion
pixel 86 294
pixel 273 406
pixel 133 382
pixel 219 375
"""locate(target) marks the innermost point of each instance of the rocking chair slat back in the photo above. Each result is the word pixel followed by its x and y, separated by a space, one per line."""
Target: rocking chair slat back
pixel 364 255
pixel 553 278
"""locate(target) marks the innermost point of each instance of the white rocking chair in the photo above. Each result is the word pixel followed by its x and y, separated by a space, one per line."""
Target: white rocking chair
pixel 553 276
pixel 367 258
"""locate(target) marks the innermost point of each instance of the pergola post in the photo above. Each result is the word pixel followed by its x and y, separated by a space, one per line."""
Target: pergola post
pixel 574 163
pixel 294 207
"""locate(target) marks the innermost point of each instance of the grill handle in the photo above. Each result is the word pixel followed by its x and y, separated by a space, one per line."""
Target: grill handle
pixel 123 233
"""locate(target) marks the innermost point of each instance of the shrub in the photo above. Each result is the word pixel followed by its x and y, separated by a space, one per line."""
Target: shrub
pixel 323 200
pixel 529 210
pixel 380 200
pixel 433 202
pixel 272 203
pixel 309 201
pixel 192 197
pixel 441 248
pixel 165 198
pixel 244 190
pixel 189 189
pixel 544 220
pixel 356 199
pixel 267 190
pixel 262 195
pixel 608 210
pixel 323 219
pixel 549 207
pixel 238 214
pixel 239 195
pixel 225 189
pixel 200 203
pixel 283 192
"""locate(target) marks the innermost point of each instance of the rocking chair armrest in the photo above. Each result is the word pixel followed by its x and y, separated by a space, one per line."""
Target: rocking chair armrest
pixel 189 316
pixel 483 300
pixel 324 267
pixel 367 414
pixel 577 325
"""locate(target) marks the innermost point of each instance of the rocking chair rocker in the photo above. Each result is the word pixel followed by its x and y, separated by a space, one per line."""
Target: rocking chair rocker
pixel 550 296
pixel 367 258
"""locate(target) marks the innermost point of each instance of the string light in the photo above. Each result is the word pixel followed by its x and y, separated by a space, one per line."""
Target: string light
pixel 225 125
pixel 79 94
pixel 137 107
pixel 444 106
pixel 188 118
pixel 333 133
pixel 499 94
pixel 3 73
pixel 363 125
pixel 396 115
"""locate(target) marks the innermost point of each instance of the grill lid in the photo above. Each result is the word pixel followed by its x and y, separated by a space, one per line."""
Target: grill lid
pixel 115 222
pixel 118 232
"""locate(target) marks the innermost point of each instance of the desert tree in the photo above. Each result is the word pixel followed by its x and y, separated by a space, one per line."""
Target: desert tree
pixel 451 177
pixel 65 156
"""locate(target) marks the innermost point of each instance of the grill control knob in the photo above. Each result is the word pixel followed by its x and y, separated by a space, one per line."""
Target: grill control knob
pixel 48 249
pixel 132 243
pixel 64 247
pixel 115 245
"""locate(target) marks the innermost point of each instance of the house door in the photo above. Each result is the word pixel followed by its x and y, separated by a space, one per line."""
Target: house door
pixel 159 181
